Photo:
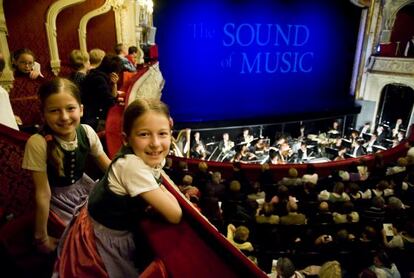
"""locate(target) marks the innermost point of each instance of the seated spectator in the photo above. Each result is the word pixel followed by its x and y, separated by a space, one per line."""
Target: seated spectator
pixel 292 179
pixel 239 237
pixel 403 239
pixel 331 269
pixel 395 211
pixel 324 215
pixel 122 51
pixel 266 215
pixel 6 112
pixel 369 239
pixel 383 266
pixel 293 217
pixel 338 194
pixel 99 91
pixel 285 269
pixel 382 189
pixel 375 213
pixel 168 167
pixel 24 64
pixel 346 214
pixel 202 176
pixel 236 207
pixel 135 55
pixel 96 56
pixel 310 175
pixel 280 200
pixel 79 62
pixel 215 188
pixel 400 167
pixel 257 193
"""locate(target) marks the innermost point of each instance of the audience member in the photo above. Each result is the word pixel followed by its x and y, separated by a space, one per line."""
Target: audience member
pixel 239 237
pixel 383 266
pixel 285 269
pixel 24 64
pixel 122 51
pixel 266 215
pixel 99 91
pixel 96 56
pixel 323 215
pixel 79 61
pixel 293 217
pixel 6 112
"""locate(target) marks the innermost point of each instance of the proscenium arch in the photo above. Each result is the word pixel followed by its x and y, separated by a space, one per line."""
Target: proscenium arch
pixel 51 32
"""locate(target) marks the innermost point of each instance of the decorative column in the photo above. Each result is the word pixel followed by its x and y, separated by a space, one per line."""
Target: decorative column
pixel 6 79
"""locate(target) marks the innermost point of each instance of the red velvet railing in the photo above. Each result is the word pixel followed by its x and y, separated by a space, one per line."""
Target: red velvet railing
pixel 194 248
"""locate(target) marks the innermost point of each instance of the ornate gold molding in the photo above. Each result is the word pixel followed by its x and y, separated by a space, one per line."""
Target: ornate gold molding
pixel 392 65
pixel 51 32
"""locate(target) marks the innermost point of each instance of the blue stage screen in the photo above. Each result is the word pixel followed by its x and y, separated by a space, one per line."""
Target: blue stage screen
pixel 255 60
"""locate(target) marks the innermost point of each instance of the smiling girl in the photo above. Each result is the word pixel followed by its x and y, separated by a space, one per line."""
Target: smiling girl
pixel 131 185
pixel 57 156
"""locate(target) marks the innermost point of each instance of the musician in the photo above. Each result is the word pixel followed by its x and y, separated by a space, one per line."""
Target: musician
pixel 198 151
pixel 274 156
pixel 358 149
pixel 246 154
pixel 302 153
pixel 334 130
pixel 381 135
pixel 396 129
pixel 372 141
pixel 302 134
pixel 246 139
pixel 366 128
pixel 226 147
pixel 341 154
pixel 198 148
pixel 354 136
pixel 261 146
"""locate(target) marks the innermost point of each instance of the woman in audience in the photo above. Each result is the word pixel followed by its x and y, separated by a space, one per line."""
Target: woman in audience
pixel 99 91
pixel 103 233
pixel 403 239
pixel 338 194
pixel 266 215
pixel 57 158
pixel 383 266
pixel 239 237
pixel 346 214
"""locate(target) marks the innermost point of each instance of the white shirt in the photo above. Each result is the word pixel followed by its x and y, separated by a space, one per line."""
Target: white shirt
pixel 35 153
pixel 130 175
pixel 6 112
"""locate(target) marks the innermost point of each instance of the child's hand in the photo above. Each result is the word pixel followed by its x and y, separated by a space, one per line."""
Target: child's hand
pixel 47 245
pixel 113 77
pixel 34 74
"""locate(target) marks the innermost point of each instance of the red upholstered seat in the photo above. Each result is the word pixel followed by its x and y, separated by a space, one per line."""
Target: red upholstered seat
pixel 24 100
pixel 16 187
pixel 18 256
